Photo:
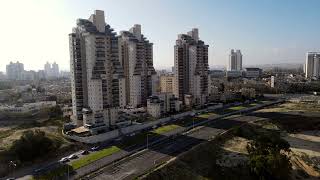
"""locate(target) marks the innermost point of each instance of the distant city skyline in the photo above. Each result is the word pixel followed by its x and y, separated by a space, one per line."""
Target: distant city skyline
pixel 267 32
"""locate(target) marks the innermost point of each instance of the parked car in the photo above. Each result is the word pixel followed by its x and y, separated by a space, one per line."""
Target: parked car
pixel 84 152
pixel 73 156
pixel 64 160
pixel 95 148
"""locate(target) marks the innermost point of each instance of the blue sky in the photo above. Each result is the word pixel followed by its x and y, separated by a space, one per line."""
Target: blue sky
pixel 266 31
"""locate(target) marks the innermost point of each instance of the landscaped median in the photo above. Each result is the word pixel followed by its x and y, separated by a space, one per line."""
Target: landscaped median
pixel 237 108
pixel 141 138
pixel 166 128
pixel 206 115
pixel 241 107
pixel 85 160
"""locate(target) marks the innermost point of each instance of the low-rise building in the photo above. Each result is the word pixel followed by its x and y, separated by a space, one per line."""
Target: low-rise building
pixel 155 106
pixel 2 76
pixel 217 73
pixel 234 74
pixel 166 83
pixel 163 103
pixel 28 107
pixel 253 72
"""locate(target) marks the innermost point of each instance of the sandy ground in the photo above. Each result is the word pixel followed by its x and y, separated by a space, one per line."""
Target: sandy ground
pixel 294 108
pixel 306 142
pixel 6 142
pixel 234 153
pixel 305 148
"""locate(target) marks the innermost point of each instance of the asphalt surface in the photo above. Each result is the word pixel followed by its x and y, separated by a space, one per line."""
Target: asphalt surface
pixel 156 154
pixel 132 167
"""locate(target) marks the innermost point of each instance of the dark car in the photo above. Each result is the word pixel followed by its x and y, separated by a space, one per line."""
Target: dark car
pixel 84 152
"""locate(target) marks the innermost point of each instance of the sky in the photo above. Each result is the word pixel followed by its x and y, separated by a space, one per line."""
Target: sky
pixel 266 31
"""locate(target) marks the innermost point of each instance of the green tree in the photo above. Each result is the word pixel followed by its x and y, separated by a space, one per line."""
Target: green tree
pixel 55 112
pixel 32 144
pixel 267 157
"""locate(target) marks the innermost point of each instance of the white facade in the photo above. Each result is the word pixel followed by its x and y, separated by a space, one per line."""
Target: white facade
pixel 15 71
pixel 51 71
pixel 312 65
pixel 272 81
pixel 162 103
pixel 167 83
pixel 253 72
pixel 28 107
pixel 234 74
pixel 191 68
pixel 136 58
pixel 154 108
pixel 235 61
pixel 97 80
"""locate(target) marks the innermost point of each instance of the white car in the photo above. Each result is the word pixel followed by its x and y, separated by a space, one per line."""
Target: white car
pixel 95 148
pixel 72 156
pixel 64 160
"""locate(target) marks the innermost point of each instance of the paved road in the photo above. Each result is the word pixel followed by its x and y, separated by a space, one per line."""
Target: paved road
pixel 132 167
pixel 107 160
pixel 218 124
pixel 129 151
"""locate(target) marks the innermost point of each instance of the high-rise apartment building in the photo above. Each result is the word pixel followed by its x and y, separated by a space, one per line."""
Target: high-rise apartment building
pixel 312 66
pixel 191 68
pixel 235 61
pixel 97 78
pixel 55 69
pixel 136 58
pixel 51 71
pixel 47 69
pixel 15 71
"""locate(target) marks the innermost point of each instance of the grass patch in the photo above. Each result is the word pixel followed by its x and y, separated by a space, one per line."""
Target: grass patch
pixel 94 157
pixel 253 104
pixel 164 129
pixel 236 108
pixel 142 137
pixel 206 115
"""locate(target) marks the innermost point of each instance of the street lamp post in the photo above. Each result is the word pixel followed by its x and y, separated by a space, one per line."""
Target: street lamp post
pixel 12 165
pixel 147 141
pixel 192 123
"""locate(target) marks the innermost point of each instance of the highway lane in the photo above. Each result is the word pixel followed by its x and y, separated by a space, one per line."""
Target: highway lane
pixel 133 167
pixel 221 125
pixel 105 161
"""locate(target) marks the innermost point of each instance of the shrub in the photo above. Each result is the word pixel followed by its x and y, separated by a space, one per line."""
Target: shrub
pixel 267 159
pixel 32 144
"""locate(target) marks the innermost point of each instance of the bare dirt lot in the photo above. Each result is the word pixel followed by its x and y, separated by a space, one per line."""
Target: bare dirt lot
pixel 299 124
